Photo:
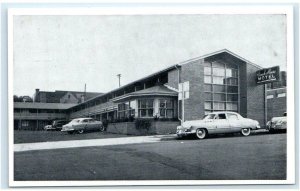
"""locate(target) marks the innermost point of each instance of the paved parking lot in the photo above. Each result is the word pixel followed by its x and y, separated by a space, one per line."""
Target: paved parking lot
pixel 260 156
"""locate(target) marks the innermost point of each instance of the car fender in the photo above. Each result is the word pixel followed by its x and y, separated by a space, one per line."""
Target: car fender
pixel 194 128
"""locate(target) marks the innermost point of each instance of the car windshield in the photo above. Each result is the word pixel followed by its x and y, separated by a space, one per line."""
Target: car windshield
pixel 74 121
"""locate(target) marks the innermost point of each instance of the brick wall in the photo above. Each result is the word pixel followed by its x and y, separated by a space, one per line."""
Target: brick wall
pixel 194 73
pixel 276 105
pixel 243 89
pixel 255 96
pixel 173 78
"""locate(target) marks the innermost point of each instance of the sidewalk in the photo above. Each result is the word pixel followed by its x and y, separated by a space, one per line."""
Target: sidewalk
pixel 87 143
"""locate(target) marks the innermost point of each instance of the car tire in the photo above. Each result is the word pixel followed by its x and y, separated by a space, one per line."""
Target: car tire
pixel 80 131
pixel 201 133
pixel 246 131
pixel 70 132
pixel 102 128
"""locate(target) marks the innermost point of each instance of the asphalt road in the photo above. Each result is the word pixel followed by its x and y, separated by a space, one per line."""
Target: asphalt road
pixel 260 156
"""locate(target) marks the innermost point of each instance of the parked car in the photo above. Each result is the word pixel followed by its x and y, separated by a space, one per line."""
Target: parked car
pixel 277 123
pixel 48 128
pixel 81 125
pixel 218 122
pixel 57 124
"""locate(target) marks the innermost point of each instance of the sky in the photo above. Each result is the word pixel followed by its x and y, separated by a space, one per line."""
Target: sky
pixel 66 52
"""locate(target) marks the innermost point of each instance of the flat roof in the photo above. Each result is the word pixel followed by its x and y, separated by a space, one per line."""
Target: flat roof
pixel 37 105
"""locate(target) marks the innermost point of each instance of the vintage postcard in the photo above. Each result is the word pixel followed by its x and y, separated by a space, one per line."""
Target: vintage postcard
pixel 151 96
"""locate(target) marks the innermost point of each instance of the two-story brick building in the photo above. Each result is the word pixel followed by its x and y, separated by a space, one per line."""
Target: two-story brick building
pixel 216 82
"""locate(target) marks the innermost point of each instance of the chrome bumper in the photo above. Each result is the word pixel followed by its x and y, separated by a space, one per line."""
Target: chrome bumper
pixel 183 131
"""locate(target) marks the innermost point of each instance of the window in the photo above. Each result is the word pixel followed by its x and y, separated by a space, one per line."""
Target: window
pixel 221 116
pixel 218 64
pixel 25 123
pixel 231 73
pixel 218 71
pixel 218 88
pixel 207 79
pixel 209 116
pixel 232 89
pixel 232 116
pixel 218 80
pixel 145 108
pixel 208 96
pixel 270 96
pixel 219 106
pixel 232 97
pixel 85 121
pixel 126 109
pixel 207 70
pixel 207 105
pixel 232 81
pixel 232 106
pixel 281 95
pixel 221 86
pixel 219 97
pixel 166 108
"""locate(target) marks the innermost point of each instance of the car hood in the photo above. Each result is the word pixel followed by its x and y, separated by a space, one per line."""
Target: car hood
pixel 278 119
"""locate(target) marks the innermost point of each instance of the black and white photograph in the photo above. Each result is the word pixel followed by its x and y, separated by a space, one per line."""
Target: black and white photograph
pixel 151 96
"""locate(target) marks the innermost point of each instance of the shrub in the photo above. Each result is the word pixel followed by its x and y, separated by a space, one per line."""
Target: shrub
pixel 143 124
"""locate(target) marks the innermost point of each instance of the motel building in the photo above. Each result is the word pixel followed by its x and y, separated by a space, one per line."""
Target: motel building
pixel 220 81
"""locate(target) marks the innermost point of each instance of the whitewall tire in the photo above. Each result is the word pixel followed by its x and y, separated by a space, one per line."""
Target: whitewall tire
pixel 80 131
pixel 246 131
pixel 201 133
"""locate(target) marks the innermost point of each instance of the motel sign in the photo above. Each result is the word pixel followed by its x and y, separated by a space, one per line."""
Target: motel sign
pixel 268 75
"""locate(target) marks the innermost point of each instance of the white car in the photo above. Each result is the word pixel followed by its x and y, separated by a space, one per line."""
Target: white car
pixel 218 122
pixel 277 123
pixel 48 128
pixel 80 125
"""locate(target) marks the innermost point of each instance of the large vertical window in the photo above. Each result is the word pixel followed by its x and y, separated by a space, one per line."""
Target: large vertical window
pixel 126 109
pixel 221 86
pixel 145 107
pixel 166 108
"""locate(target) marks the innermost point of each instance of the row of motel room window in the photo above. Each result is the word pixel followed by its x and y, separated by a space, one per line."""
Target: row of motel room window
pixel 145 108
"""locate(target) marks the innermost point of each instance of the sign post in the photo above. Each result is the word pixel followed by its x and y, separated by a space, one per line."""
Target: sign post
pixel 184 93
pixel 265 76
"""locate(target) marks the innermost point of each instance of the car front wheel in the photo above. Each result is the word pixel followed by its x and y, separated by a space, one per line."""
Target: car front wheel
pixel 102 128
pixel 246 131
pixel 201 133
pixel 80 131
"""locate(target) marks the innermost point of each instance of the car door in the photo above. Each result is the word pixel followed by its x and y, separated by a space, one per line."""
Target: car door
pixel 209 122
pixel 234 122
pixel 84 124
pixel 92 124
pixel 221 123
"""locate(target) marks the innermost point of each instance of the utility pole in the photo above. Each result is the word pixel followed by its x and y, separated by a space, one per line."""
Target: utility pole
pixel 119 76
